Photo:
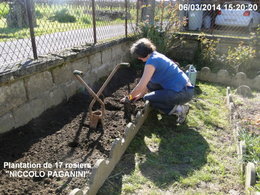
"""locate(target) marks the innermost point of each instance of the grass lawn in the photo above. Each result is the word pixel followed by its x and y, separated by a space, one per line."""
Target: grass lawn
pixel 198 157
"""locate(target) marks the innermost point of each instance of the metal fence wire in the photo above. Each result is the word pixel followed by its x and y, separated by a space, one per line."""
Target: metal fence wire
pixel 30 28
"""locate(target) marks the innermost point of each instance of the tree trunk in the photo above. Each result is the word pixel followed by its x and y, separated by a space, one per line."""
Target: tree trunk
pixel 17 16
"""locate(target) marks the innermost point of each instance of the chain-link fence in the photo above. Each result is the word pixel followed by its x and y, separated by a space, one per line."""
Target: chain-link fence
pixel 223 18
pixel 30 28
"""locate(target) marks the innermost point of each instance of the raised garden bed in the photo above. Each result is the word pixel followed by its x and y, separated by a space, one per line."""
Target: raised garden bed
pixel 62 147
pixel 245 119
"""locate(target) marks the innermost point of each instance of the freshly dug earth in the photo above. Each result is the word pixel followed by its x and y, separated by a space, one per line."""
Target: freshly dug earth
pixel 248 111
pixel 61 137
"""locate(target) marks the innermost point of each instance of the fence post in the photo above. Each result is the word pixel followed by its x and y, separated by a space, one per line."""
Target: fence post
pixel 94 21
pixel 126 15
pixel 138 8
pixel 29 14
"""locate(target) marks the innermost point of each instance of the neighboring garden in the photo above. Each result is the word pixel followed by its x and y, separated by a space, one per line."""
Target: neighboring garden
pixel 50 18
pixel 248 123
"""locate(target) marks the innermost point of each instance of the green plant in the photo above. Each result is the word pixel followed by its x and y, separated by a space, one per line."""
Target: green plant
pixel 237 59
pixel 257 185
pixel 207 52
pixel 252 146
pixel 38 14
pixel 86 20
pixel 252 142
pixel 4 10
pixel 241 57
pixel 63 16
pixel 161 31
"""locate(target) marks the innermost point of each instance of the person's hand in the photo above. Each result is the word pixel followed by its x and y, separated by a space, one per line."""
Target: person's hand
pixel 124 99
pixel 128 99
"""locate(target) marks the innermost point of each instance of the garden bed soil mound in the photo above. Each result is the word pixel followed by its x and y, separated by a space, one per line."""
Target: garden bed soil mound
pixel 61 137
pixel 248 111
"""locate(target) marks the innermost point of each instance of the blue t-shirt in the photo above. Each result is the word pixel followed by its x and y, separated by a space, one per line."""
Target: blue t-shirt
pixel 167 73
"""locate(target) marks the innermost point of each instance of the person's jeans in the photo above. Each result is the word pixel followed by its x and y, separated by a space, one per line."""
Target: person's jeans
pixel 165 99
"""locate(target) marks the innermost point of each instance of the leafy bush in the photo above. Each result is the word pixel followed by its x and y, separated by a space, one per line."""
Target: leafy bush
pixel 38 14
pixel 207 55
pixel 241 57
pixel 159 32
pixel 63 16
pixel 237 59
pixel 4 10
pixel 85 20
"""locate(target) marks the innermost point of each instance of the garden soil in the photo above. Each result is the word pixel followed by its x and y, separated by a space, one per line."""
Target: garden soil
pixel 55 153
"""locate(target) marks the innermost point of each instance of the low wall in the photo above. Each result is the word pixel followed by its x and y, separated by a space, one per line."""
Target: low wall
pixel 224 77
pixel 41 84
pixel 189 47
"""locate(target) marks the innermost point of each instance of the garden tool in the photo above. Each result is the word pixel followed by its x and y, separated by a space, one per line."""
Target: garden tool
pixel 107 81
pixel 98 115
pixel 128 109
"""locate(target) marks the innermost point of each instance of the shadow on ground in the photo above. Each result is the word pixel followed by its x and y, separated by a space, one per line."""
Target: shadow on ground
pixel 163 152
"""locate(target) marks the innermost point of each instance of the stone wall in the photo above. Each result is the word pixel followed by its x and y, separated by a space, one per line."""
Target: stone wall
pixel 189 46
pixel 38 85
pixel 224 77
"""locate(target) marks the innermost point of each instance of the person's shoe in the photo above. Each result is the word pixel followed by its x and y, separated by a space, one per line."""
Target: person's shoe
pixel 182 115
pixel 174 110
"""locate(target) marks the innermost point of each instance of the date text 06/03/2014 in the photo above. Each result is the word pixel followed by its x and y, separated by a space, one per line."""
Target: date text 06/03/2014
pixel 214 7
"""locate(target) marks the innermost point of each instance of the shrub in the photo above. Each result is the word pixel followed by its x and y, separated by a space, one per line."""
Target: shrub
pixel 63 16
pixel 85 20
pixel 4 10
pixel 38 14
pixel 241 57
pixel 161 33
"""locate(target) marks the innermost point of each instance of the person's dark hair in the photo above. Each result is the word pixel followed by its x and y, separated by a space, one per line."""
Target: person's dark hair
pixel 142 48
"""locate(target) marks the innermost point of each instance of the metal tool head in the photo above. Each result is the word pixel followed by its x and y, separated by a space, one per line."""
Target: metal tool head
pixel 95 118
pixel 125 64
pixel 77 72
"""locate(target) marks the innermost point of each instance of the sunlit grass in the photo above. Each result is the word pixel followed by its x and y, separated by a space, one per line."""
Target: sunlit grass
pixel 198 157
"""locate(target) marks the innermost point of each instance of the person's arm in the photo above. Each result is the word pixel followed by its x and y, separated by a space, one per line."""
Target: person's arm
pixel 141 87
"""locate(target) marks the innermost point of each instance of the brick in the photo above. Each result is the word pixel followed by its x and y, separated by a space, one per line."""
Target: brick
pixel 54 97
pixel 107 56
pixel 82 65
pixel 95 60
pixel 62 74
pixel 12 96
pixel 23 114
pixel 71 88
pixel 117 54
pixel 7 122
pixel 37 107
pixel 39 83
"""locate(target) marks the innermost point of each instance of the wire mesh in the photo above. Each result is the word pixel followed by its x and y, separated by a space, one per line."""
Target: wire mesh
pixel 61 24
pixel 222 18
pixel 57 25
pixel 237 19
pixel 14 34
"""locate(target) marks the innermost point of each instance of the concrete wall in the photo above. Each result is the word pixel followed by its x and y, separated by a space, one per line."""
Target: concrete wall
pixel 189 46
pixel 38 85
